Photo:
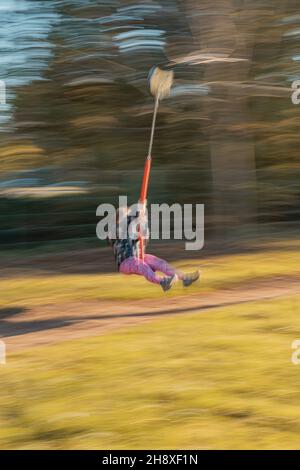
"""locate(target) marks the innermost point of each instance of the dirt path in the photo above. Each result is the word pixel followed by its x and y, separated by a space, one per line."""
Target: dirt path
pixel 55 323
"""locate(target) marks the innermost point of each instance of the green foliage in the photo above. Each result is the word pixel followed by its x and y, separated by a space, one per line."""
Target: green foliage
pixel 89 118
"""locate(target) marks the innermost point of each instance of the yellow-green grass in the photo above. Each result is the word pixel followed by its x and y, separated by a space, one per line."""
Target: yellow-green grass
pixel 218 379
pixel 217 272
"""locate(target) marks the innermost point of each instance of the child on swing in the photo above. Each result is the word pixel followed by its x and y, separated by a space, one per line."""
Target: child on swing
pixel 126 252
pixel 129 250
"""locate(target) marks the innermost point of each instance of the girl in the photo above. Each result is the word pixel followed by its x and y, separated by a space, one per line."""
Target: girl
pixel 128 262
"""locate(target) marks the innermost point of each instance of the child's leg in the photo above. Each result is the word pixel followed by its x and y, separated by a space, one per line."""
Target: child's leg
pixel 135 266
pixel 158 264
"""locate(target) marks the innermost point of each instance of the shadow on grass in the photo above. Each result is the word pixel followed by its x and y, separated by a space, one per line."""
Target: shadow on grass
pixel 24 327
pixel 11 312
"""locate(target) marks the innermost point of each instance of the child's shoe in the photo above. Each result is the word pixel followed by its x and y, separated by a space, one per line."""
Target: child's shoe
pixel 190 278
pixel 167 282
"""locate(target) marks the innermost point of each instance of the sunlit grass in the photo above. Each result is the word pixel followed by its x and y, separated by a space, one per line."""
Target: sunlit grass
pixel 217 272
pixel 217 379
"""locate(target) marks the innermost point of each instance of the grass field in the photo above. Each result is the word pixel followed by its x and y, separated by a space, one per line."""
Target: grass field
pixel 217 272
pixel 216 380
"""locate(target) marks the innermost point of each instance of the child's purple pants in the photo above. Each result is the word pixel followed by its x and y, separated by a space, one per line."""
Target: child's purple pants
pixel 148 268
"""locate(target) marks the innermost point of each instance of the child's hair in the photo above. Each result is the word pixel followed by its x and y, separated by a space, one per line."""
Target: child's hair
pixel 111 239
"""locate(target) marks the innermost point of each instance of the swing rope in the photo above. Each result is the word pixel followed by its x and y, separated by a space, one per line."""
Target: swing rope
pixel 160 85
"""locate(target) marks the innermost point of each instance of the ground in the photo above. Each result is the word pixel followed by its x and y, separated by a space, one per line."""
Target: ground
pixel 96 360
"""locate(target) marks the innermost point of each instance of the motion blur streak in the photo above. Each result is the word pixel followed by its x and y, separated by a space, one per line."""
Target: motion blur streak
pixel 75 127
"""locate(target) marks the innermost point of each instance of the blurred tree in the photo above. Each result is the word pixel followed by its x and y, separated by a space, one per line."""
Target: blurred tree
pixel 228 135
